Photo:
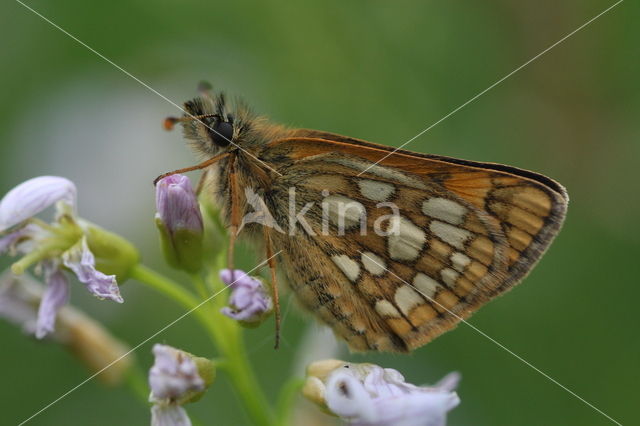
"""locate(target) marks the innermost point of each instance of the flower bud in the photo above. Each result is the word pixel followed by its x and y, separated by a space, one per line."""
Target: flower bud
pixel 314 386
pixel 250 303
pixel 178 377
pixel 179 222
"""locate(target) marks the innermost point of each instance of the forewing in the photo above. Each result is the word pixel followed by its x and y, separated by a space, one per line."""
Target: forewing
pixel 463 233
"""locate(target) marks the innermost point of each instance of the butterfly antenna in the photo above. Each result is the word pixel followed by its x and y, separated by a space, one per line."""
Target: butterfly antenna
pixel 170 122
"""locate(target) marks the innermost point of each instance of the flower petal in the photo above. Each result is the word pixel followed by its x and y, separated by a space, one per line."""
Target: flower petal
pixel 25 238
pixel 55 296
pixel 19 297
pixel 8 240
pixel 169 415
pixel 33 196
pixel 237 276
pixel 416 409
pixel 82 262
pixel 347 397
pixel 449 382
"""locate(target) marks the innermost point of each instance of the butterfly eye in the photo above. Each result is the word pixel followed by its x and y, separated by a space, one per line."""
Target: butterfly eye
pixel 222 133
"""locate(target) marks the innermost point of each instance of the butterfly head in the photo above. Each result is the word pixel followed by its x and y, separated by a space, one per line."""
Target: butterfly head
pixel 210 125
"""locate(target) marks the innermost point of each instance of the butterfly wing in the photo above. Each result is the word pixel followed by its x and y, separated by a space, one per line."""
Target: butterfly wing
pixel 392 280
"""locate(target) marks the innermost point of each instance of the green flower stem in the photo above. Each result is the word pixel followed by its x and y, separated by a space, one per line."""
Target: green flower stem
pixel 224 332
pixel 287 398
pixel 173 291
pixel 200 286
pixel 237 363
pixel 164 285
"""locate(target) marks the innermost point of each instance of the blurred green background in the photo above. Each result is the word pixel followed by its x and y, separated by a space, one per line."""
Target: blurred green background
pixel 377 70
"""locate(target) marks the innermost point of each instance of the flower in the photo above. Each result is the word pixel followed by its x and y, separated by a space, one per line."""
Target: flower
pixel 176 378
pixel 68 243
pixel 81 335
pixel 179 221
pixel 369 395
pixel 249 300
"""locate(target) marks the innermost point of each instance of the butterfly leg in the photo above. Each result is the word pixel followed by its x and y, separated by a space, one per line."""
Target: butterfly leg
pixel 235 213
pixel 201 182
pixel 274 283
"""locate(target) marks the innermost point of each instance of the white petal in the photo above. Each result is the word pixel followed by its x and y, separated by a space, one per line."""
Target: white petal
pixel 346 396
pixel 19 296
pixel 169 415
pixel 33 196
pixel 82 262
pixel 416 409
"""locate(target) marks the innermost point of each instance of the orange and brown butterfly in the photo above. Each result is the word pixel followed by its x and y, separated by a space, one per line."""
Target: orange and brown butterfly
pixel 388 248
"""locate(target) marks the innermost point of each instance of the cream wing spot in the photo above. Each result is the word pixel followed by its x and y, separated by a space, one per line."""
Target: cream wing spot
pixel 460 261
pixel 386 309
pixel 373 263
pixel 449 276
pixel 376 191
pixel 407 298
pixel 405 240
pixel 343 211
pixel 426 285
pixel 378 170
pixel 450 234
pixel 444 209
pixel 347 265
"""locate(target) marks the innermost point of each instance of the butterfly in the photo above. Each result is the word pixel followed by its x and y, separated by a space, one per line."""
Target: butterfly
pixel 390 248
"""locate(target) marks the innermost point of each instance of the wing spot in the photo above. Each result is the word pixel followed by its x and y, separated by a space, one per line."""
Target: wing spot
pixel 373 263
pixel 375 190
pixel 343 212
pixel 380 171
pixel 426 285
pixel 407 298
pixel 405 240
pixel 460 261
pixel 449 276
pixel 347 265
pixel 450 234
pixel 386 309
pixel 444 209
